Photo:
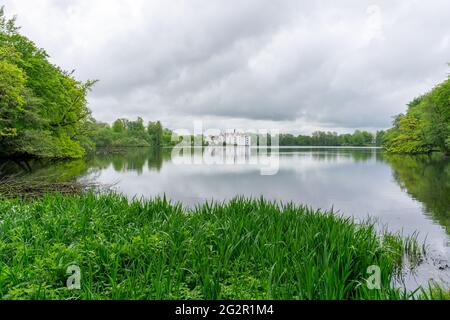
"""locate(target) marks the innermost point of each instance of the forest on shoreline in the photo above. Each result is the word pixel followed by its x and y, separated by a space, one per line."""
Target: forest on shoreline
pixel 426 125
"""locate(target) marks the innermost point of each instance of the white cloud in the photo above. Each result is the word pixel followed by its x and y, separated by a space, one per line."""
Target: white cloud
pixel 294 65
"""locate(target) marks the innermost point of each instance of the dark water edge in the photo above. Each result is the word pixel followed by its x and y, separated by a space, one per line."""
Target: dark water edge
pixel 405 194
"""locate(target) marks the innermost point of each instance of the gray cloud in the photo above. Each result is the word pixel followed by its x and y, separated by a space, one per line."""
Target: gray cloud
pixel 295 65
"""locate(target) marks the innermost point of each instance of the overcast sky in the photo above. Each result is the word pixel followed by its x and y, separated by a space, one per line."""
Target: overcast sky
pixel 295 65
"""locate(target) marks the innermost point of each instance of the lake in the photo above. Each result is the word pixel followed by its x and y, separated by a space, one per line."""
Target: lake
pixel 405 194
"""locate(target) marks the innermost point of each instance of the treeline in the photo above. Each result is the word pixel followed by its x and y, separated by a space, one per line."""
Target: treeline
pixel 426 125
pixel 320 138
pixel 127 133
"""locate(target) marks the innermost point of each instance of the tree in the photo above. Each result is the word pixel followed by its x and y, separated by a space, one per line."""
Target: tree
pixel 437 117
pixel 320 138
pixel 426 125
pixel 379 138
pixel 12 87
pixel 42 107
pixel 155 132
pixel 136 128
pixel 406 136
pixel 120 126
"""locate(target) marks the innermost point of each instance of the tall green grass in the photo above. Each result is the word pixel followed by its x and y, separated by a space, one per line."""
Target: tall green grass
pixel 152 249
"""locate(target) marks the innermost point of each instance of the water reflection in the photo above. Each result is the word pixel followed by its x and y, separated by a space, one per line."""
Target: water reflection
pixel 51 171
pixel 355 181
pixel 424 178
pixel 134 160
pixel 427 180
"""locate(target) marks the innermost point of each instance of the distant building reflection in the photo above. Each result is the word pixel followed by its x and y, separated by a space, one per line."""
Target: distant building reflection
pixel 228 155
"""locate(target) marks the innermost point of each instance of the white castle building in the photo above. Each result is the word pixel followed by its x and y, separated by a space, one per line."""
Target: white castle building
pixel 230 139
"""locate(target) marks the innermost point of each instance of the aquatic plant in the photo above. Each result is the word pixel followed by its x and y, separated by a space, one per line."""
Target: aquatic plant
pixel 154 249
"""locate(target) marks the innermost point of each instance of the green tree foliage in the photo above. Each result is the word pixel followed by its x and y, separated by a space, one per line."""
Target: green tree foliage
pixel 133 135
pixel 42 108
pixel 137 128
pixel 437 117
pixel 380 137
pixel 120 125
pixel 426 125
pixel 406 136
pixel 155 132
pixel 12 88
pixel 320 138
pixel 127 133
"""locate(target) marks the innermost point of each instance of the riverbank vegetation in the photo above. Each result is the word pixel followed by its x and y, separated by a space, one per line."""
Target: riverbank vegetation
pixel 426 125
pixel 320 138
pixel 243 249
pixel 42 108
pixel 125 133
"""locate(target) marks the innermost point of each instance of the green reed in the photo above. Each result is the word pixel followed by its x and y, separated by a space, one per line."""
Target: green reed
pixel 153 249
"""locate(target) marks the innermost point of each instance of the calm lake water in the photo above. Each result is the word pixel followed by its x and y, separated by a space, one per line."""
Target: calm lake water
pixel 406 194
